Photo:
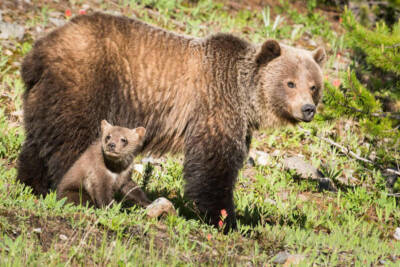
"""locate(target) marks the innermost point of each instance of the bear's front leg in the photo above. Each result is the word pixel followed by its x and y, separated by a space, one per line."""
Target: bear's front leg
pixel 211 166
pixel 129 192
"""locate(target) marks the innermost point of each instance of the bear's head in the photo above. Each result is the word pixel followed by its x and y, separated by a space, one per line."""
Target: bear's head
pixel 289 83
pixel 120 143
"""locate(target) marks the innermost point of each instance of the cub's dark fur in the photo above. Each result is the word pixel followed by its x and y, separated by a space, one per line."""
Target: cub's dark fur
pixel 104 170
pixel 204 97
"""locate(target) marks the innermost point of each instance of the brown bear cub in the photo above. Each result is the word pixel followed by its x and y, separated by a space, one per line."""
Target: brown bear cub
pixel 104 169
pixel 201 96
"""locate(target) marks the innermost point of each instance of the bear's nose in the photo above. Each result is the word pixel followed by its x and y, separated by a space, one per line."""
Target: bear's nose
pixel 111 146
pixel 308 111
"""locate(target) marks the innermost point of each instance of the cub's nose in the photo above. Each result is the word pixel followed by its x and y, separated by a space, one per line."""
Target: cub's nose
pixel 111 146
pixel 308 111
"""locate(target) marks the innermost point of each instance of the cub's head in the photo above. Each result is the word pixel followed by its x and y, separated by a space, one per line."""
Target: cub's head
pixel 290 83
pixel 119 142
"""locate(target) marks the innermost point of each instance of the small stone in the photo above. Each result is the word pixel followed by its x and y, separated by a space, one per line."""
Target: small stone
pixel 11 30
pixel 311 42
pixel 270 201
pixel 139 168
pixel 160 206
pixel 262 158
pixel 304 169
pixel 57 22
pixel 63 237
pixel 37 230
pixel 396 234
pixel 276 153
pixel 293 260
pixel 372 156
pixel 148 160
pixel 281 257
pixel 55 14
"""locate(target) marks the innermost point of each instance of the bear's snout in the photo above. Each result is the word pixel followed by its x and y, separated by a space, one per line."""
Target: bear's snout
pixel 308 111
pixel 111 146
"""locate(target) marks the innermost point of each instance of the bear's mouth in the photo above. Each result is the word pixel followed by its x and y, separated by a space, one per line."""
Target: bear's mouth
pixel 112 154
pixel 301 119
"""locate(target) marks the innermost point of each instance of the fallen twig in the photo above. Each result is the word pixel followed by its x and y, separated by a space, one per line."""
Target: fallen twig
pixel 351 153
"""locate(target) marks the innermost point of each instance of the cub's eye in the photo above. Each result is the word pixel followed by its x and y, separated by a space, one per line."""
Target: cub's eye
pixel 108 137
pixel 313 88
pixel 124 141
pixel 291 84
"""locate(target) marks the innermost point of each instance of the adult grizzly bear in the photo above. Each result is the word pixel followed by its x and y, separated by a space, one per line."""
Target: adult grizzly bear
pixel 200 96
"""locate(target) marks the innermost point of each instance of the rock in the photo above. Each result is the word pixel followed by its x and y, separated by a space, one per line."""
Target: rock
pixel 261 158
pixel 270 201
pixel 148 160
pixel 63 237
pixel 160 206
pixel 281 257
pixel 11 30
pixel 304 169
pixel 139 168
pixel 57 22
pixel 276 153
pixel 396 234
pixel 37 230
pixel 293 260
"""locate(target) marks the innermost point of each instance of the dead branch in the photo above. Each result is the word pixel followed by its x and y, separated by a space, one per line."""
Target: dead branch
pixel 351 153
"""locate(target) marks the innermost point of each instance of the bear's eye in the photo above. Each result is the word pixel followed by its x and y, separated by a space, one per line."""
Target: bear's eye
pixel 108 137
pixel 291 84
pixel 124 141
pixel 313 88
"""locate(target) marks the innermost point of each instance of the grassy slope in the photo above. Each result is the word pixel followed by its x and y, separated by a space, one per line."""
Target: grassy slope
pixel 276 211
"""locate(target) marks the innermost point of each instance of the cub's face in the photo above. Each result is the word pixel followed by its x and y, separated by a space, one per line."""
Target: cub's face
pixel 119 142
pixel 291 82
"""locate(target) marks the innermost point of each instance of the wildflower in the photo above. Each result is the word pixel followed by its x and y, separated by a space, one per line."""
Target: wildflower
pixel 220 223
pixel 209 237
pixel 336 83
pixel 224 214
pixel 340 20
pixel 68 13
pixel 82 12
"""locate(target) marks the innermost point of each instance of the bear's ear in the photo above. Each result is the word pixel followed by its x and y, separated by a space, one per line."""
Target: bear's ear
pixel 319 56
pixel 105 125
pixel 270 49
pixel 140 131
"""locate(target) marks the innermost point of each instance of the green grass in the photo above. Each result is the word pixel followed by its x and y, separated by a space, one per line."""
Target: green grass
pixel 276 210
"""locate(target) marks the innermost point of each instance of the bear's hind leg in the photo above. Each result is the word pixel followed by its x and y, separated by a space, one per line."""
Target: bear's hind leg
pixel 32 170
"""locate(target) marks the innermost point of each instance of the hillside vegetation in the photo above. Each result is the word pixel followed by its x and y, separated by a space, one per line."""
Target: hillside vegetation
pixel 345 215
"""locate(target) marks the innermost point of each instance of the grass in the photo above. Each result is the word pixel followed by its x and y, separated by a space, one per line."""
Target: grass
pixel 276 210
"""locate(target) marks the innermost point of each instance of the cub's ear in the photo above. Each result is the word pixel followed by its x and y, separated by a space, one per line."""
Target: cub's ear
pixel 319 56
pixel 270 49
pixel 140 131
pixel 105 125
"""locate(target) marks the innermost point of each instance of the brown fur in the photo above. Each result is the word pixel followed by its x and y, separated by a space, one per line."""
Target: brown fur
pixel 103 170
pixel 200 96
